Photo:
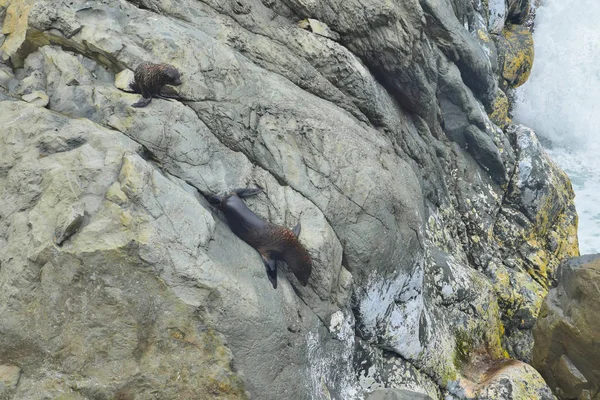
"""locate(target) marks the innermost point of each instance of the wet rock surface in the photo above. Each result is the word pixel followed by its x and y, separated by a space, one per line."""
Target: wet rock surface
pixel 566 334
pixel 435 230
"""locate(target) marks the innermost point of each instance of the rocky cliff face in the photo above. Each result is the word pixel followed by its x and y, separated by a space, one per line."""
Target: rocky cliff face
pixel 435 226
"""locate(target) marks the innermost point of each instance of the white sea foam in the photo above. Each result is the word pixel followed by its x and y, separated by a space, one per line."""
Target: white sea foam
pixel 561 101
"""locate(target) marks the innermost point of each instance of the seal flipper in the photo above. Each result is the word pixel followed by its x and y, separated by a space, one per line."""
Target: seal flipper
pixel 297 229
pixel 145 100
pixel 271 266
pixel 247 192
pixel 160 96
pixel 166 93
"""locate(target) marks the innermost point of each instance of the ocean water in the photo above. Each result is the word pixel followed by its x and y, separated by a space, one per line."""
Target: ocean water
pixel 561 102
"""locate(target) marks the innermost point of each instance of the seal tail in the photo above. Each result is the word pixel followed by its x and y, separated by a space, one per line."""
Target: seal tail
pixel 247 192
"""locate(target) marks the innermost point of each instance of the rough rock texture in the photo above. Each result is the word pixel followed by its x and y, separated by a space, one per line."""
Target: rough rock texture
pixel 9 378
pixel 511 379
pixel 124 79
pixel 515 48
pixel 566 350
pixel 434 232
pixel 37 98
pixel 396 394
pixel 102 324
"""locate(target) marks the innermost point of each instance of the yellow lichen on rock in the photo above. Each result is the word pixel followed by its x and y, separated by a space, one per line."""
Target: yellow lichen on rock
pixel 15 25
pixel 521 380
pixel 483 35
pixel 518 54
pixel 115 194
pixel 554 236
pixel 499 114
pixel 565 234
pixel 133 176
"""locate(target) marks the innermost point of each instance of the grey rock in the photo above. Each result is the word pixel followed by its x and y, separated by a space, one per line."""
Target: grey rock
pixel 518 11
pixel 124 79
pixel 466 124
pixel 5 76
pixel 319 28
pixel 485 40
pixel 486 153
pixel 358 24
pixel 69 223
pixel 36 98
pixel 532 173
pixel 497 15
pixel 51 143
pixel 461 48
pixel 396 394
pixel 100 311
pixel 241 6
pixel 539 195
pixel 9 378
pixel 378 369
pixel 503 383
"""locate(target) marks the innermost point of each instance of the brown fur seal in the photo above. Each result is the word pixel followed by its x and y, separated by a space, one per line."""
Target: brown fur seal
pixel 150 79
pixel 273 242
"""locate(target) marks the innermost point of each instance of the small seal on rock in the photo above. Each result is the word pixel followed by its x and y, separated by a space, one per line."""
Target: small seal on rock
pixel 150 79
pixel 273 242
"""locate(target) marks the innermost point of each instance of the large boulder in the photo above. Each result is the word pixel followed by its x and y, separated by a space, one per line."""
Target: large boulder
pixel 567 332
pixel 537 229
pixel 515 50
pixel 513 380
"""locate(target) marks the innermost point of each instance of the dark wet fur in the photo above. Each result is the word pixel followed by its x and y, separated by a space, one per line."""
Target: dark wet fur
pixel 273 242
pixel 150 81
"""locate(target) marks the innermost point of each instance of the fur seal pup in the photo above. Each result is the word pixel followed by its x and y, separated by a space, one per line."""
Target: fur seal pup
pixel 149 80
pixel 273 242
